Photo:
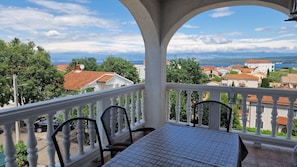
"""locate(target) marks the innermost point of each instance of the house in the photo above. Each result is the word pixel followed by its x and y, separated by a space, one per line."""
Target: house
pixel 240 80
pixel 290 81
pixel 86 81
pixel 211 71
pixel 283 106
pixel 260 65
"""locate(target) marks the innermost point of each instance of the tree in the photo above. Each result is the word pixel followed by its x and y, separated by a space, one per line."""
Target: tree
pixel 120 66
pixel 90 64
pixel 40 79
pixel 184 71
pixel 265 83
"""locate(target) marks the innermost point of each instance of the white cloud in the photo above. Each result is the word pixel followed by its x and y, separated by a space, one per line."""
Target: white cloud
pixel 184 43
pixel 62 7
pixel 190 26
pixel 221 12
pixel 262 29
pixel 52 33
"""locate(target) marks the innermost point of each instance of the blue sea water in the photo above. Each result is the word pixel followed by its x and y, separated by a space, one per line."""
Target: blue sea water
pixel 277 66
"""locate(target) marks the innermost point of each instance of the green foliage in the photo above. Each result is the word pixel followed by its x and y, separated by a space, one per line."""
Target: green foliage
pixel 265 83
pixel 185 71
pixel 120 66
pixel 21 151
pixel 275 76
pixel 232 72
pixel 1 148
pixel 294 131
pixel 90 64
pixel 217 79
pixel 40 80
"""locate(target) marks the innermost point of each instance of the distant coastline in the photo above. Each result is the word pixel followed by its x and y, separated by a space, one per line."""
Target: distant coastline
pixel 218 59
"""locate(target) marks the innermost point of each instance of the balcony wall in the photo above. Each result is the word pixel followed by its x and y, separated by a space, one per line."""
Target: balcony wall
pixel 131 97
pixel 277 97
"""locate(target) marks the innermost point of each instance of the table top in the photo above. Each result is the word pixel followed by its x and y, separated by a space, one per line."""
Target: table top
pixel 176 145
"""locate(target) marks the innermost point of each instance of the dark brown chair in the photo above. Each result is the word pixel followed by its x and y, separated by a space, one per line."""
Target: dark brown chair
pixel 78 138
pixel 115 119
pixel 213 114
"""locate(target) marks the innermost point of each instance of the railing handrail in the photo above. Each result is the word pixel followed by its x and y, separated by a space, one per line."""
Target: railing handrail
pixel 52 106
pixel 266 91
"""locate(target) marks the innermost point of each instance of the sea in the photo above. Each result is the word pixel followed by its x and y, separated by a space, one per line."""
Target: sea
pixel 281 60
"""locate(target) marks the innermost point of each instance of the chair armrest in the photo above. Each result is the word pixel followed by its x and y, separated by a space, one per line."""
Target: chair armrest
pixel 146 129
pixel 114 148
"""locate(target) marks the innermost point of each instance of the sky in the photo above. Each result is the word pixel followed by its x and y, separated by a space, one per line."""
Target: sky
pixel 105 27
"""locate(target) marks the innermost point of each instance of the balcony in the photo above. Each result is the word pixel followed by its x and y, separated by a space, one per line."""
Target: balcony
pixel 132 98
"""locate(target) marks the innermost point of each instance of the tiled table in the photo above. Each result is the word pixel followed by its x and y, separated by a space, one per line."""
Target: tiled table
pixel 176 145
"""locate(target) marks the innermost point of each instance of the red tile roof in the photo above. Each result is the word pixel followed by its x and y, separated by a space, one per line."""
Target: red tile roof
pixel 257 61
pixel 282 120
pixel 77 79
pixel 105 78
pixel 284 101
pixel 240 76
pixel 62 67
pixel 247 70
pixel 209 67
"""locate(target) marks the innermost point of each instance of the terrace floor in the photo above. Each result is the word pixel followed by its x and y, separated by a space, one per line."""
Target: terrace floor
pixel 264 156
pixel 267 156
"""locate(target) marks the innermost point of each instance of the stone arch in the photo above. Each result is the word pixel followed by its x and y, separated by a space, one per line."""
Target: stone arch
pixel 168 32
pixel 158 21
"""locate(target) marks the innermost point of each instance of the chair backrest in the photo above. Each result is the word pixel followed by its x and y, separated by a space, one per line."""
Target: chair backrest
pixel 115 120
pixel 213 114
pixel 77 141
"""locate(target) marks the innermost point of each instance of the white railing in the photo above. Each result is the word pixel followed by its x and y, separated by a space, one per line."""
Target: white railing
pixel 185 92
pixel 130 97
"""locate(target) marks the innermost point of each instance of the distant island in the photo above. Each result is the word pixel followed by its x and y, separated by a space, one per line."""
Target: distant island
pixel 209 58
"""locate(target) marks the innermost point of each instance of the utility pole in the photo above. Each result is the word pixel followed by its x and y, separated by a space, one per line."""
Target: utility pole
pixel 15 95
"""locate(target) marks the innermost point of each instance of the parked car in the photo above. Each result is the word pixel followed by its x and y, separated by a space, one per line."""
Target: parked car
pixel 41 124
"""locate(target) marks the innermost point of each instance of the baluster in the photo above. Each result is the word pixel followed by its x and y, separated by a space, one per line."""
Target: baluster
pixel 66 136
pixel 112 122
pixel 91 126
pixel 132 110
pixel 142 106
pixel 113 101
pixel 189 106
pixel 120 118
pixel 200 110
pixel 177 107
pixel 231 101
pixel 10 151
pixel 244 112
pixel 32 142
pixel 80 132
pixel 168 104
pixel 127 110
pixel 274 116
pixel 290 117
pixel 259 114
pixel 137 108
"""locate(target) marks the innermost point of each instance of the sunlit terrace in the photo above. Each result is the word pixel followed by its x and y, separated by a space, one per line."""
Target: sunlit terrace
pixel 149 104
